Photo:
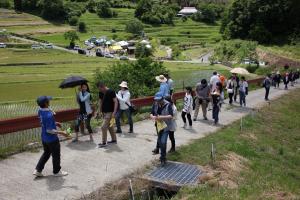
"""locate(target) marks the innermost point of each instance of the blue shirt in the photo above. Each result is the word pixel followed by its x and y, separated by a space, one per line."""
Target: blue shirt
pixel 164 89
pixel 48 124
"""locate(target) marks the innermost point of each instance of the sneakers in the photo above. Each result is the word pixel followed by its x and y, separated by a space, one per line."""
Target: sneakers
pixel 130 131
pixel 112 142
pixel 118 131
pixel 195 120
pixel 171 150
pixel 155 151
pixel 38 174
pixel 61 173
pixel 184 125
pixel 205 118
pixel 102 145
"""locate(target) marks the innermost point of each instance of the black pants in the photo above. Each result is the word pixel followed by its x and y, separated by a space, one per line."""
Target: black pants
pixel 230 95
pixel 53 149
pixel 215 113
pixel 183 114
pixel 267 93
pixel 87 121
pixel 172 138
pixel 236 93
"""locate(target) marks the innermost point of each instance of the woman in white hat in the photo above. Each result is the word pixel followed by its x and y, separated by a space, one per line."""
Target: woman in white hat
pixel 164 88
pixel 124 101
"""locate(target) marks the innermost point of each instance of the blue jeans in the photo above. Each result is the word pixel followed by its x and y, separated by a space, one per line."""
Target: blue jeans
pixel 215 112
pixel 118 119
pixel 162 141
pixel 242 98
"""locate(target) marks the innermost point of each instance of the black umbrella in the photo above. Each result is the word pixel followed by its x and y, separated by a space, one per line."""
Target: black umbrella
pixel 72 81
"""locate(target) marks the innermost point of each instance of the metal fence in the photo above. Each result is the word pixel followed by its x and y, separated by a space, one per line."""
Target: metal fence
pixel 19 133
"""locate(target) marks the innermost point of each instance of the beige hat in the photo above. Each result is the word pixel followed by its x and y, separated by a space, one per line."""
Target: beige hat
pixel 124 84
pixel 161 78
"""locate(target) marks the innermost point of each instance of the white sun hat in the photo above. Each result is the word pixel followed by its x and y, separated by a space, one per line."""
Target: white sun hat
pixel 161 78
pixel 124 84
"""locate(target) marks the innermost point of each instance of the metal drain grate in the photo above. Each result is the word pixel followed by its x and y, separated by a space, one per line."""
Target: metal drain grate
pixel 175 174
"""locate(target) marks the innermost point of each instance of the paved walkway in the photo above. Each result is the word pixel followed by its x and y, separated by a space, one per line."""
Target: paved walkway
pixel 90 168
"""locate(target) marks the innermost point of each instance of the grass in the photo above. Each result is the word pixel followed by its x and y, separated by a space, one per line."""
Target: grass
pixel 289 51
pixel 270 143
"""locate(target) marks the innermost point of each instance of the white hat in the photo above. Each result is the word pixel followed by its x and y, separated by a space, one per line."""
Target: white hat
pixel 124 84
pixel 161 78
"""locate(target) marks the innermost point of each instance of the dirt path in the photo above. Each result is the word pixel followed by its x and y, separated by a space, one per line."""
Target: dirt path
pixel 90 168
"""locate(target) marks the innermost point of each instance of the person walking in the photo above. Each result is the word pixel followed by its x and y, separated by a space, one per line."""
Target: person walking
pixel 267 85
pixel 49 137
pixel 108 106
pixel 297 76
pixel 216 101
pixel 243 91
pixel 286 81
pixel 164 86
pixel 170 83
pixel 236 89
pixel 277 79
pixel 187 107
pixel 202 98
pixel 85 111
pixel 124 105
pixel 291 78
pixel 231 88
pixel 214 80
pixel 162 114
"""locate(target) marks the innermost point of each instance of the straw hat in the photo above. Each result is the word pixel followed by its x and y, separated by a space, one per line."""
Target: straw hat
pixel 124 84
pixel 161 78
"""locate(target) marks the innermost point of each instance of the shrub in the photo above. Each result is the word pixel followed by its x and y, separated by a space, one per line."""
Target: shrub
pixel 143 51
pixel 184 18
pixel 134 26
pixel 73 20
pixel 113 30
pixel 114 36
pixel 82 27
pixel 72 37
pixel 252 68
pixel 140 76
pixel 91 6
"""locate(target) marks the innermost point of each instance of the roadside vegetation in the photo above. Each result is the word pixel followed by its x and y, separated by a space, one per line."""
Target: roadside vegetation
pixel 259 162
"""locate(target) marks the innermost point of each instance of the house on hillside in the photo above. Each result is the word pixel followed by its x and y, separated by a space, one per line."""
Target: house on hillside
pixel 187 11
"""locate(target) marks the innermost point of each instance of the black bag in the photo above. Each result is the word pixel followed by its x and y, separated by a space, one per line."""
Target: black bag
pixel 132 108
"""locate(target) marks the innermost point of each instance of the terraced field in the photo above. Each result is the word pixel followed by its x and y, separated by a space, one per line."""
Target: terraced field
pixel 180 32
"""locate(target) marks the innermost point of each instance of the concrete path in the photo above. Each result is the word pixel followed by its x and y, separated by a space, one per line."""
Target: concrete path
pixel 90 168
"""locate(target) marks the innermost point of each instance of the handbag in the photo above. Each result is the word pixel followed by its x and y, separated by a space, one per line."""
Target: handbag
pixel 230 90
pixel 131 107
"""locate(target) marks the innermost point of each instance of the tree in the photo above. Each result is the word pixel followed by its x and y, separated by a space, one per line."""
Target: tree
pixel 134 26
pixel 207 14
pixel 82 27
pixel 72 37
pixel 91 6
pixel 143 51
pixel 104 10
pixel 52 9
pixel 5 4
pixel 264 21
pixel 18 5
pixel 140 76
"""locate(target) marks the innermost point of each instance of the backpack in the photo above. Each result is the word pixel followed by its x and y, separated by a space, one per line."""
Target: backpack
pixel 267 83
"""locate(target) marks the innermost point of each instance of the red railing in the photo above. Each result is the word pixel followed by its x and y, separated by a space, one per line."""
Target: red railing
pixel 29 122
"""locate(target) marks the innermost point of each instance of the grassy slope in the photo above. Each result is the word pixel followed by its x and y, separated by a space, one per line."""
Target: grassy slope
pixel 33 80
pixel 289 51
pixel 189 31
pixel 270 141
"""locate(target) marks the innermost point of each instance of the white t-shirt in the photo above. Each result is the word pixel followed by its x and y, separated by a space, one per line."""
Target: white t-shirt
pixel 213 82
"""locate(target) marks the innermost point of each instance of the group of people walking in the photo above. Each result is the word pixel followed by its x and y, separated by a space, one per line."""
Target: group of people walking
pixel 208 95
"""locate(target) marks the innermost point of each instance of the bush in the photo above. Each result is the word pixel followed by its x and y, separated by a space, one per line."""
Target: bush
pixel 143 51
pixel 113 30
pixel 4 4
pixel 91 6
pixel 184 18
pixel 73 20
pixel 140 76
pixel 252 68
pixel 82 27
pixel 134 26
